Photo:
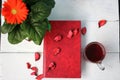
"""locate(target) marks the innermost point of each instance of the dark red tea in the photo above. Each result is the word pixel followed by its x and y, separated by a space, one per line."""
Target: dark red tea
pixel 95 52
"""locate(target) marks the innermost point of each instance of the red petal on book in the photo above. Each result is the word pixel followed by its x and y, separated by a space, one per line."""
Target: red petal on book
pixel 83 30
pixel 70 34
pixel 75 31
pixel 56 51
pixel 35 69
pixel 28 65
pixel 37 56
pixel 52 66
pixel 101 23
pixel 39 77
pixel 58 38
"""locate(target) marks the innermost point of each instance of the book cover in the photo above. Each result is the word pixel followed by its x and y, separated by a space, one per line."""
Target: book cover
pixel 62 47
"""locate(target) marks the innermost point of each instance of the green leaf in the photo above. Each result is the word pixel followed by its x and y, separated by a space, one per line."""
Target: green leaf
pixel 37 32
pixel 49 25
pixel 50 3
pixel 16 35
pixel 31 2
pixel 7 28
pixel 25 26
pixel 39 12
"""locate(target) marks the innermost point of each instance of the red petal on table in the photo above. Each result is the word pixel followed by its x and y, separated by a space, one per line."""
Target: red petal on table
pixel 37 56
pixel 39 77
pixel 101 23
pixel 75 31
pixel 83 30
pixel 34 73
pixel 56 51
pixel 70 34
pixel 35 69
pixel 28 65
pixel 58 38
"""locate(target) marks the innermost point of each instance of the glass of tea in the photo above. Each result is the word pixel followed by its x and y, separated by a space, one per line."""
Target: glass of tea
pixel 95 52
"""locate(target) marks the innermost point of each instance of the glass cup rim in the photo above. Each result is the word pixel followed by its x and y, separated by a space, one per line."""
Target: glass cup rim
pixel 100 45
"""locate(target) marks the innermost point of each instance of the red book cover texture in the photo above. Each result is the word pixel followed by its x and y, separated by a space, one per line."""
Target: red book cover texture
pixel 62 45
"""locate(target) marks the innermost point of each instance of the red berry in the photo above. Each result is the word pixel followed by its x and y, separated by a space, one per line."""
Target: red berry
pixel 37 56
pixel 101 23
pixel 28 65
pixel 83 30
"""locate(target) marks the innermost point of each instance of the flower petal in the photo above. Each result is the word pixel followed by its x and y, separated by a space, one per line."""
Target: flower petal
pixel 21 11
pixel 102 22
pixel 83 30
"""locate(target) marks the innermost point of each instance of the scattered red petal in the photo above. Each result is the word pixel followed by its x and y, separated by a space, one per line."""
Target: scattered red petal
pixel 52 66
pixel 70 34
pixel 28 65
pixel 101 23
pixel 34 73
pixel 56 51
pixel 83 30
pixel 39 77
pixel 75 31
pixel 58 38
pixel 37 56
pixel 35 69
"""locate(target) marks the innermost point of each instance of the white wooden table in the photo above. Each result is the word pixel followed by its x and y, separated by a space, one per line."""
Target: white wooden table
pixel 13 58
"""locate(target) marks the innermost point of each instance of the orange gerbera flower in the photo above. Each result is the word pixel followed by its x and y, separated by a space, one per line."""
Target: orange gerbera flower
pixel 14 11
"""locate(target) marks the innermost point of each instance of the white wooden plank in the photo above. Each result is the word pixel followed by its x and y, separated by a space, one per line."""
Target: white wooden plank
pixel 14 67
pixel 24 46
pixel 85 10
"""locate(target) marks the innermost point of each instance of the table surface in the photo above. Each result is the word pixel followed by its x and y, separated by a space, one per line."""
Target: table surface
pixel 13 58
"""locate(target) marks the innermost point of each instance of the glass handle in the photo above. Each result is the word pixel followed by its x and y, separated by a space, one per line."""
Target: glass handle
pixel 101 66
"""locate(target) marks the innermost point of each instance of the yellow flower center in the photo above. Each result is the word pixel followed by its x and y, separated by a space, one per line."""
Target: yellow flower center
pixel 13 11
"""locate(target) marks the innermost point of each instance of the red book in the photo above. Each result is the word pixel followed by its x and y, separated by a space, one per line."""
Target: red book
pixel 62 47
